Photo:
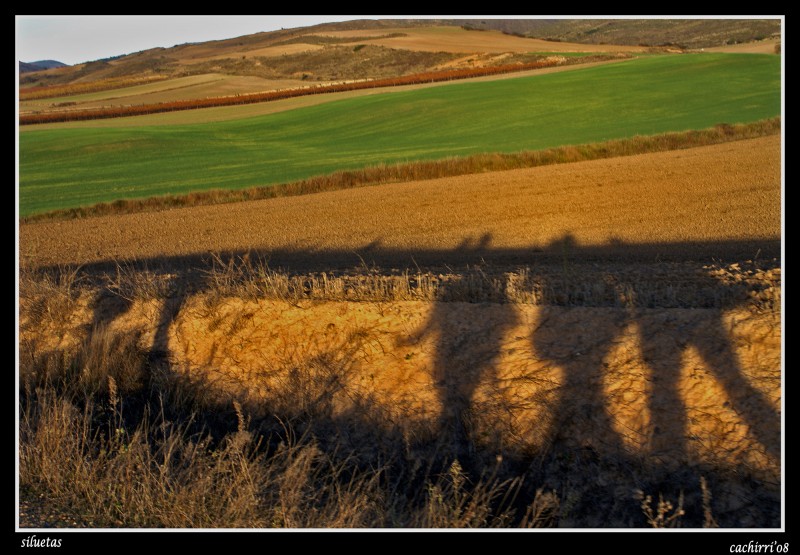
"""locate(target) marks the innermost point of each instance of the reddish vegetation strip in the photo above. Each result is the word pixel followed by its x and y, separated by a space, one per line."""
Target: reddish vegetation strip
pixel 416 79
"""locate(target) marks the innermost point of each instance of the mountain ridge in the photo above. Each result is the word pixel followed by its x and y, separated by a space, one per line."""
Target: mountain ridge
pixel 28 67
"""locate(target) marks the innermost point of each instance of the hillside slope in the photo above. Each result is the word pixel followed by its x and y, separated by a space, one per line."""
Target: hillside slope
pixel 387 48
pixel 688 33
pixel 65 168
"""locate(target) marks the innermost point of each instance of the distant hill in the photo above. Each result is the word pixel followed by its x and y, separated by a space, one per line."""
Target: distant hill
pixel 687 33
pixel 362 49
pixel 27 67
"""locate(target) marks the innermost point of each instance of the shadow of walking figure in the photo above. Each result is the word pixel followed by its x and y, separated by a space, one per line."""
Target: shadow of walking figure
pixel 579 346
pixel 118 297
pixel 175 297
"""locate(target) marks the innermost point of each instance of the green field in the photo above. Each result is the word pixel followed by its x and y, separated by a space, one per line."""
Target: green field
pixel 62 168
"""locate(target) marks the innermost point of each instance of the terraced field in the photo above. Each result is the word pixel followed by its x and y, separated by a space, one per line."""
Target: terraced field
pixel 70 167
pixel 713 194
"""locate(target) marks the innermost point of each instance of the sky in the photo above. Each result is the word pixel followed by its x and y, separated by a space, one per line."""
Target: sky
pixel 74 39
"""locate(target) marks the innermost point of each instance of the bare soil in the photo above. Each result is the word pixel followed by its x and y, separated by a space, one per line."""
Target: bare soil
pixel 766 46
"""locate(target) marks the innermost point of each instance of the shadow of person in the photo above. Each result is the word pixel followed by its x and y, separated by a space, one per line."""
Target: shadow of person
pixel 468 338
pixel 117 299
pixel 578 340
pixel 578 343
pixel 109 304
pixel 469 248
pixel 175 297
pixel 664 342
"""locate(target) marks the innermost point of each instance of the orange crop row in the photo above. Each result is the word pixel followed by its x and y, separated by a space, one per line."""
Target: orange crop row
pixel 122 111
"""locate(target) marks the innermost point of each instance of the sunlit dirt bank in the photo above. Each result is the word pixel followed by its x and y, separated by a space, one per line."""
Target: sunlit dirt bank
pixel 599 396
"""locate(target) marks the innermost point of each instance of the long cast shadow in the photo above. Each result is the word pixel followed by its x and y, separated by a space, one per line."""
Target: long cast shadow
pixel 187 276
pixel 580 351
pixel 469 253
pixel 176 295
pixel 663 342
pixel 582 408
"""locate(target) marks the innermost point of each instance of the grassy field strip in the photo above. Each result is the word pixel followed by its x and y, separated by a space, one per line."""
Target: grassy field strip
pixel 73 167
pixel 431 169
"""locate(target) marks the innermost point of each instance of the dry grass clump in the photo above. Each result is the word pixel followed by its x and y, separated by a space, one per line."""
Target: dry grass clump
pixel 50 296
pixel 158 474
pixel 664 285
